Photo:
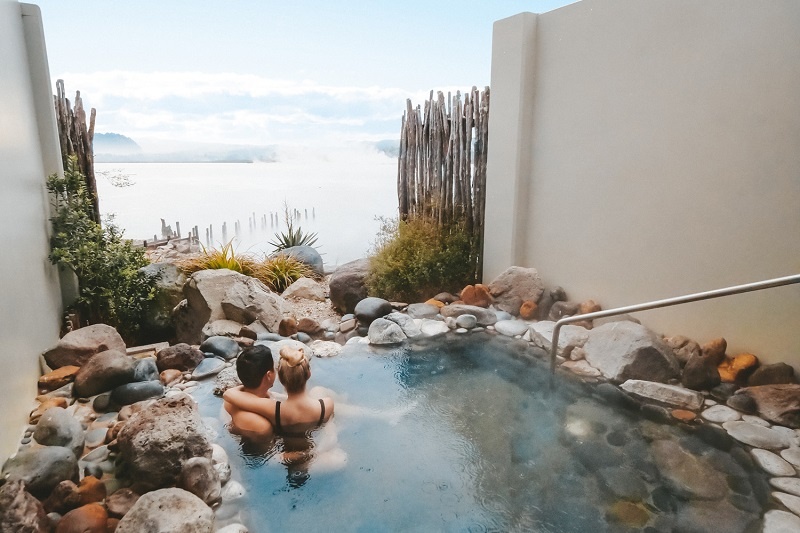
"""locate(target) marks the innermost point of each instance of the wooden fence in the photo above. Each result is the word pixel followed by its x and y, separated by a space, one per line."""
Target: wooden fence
pixel 441 171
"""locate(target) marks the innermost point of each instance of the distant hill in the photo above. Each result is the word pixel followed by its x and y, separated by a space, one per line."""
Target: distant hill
pixel 114 143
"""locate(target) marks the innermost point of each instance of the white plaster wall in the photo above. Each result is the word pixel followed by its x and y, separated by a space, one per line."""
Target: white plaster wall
pixel 663 159
pixel 29 288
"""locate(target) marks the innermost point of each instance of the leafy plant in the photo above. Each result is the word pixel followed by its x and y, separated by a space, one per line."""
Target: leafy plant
pixel 111 287
pixel 416 258
pixel 292 237
pixel 280 271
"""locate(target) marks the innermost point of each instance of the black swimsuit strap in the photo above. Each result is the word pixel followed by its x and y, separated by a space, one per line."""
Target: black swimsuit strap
pixel 278 416
pixel 322 412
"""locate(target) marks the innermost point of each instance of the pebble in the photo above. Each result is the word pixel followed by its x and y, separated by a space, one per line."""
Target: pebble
pixel 755 435
pixel 233 490
pixel 708 402
pixel 786 484
pixel 466 321
pixel 721 414
pixel 755 420
pixel 98 454
pixel 791 501
pixel 462 330
pixel 776 521
pixel 772 463
pixel 792 455
pixel 96 437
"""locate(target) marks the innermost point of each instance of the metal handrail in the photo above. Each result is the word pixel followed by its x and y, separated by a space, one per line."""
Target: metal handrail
pixel 696 297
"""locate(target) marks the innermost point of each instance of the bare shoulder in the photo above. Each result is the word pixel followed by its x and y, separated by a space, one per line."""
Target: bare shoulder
pixel 328 401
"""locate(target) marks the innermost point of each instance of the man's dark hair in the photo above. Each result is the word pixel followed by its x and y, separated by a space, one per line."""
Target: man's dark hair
pixel 252 364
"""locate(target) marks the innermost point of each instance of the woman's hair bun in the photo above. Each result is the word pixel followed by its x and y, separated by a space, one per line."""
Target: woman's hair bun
pixel 292 356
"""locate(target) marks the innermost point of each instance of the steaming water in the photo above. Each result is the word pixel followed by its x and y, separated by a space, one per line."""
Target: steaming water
pixel 338 193
pixel 464 436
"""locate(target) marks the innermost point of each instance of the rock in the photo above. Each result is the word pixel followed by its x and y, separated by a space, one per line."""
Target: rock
pixel 757 420
pixel 103 372
pixel 120 502
pixel 547 299
pixel 57 378
pixel 686 475
pixel 742 402
pixel 247 300
pixel 529 310
pixel 136 392
pixel 253 330
pixel 305 288
pixel 309 326
pixel 226 378
pixel 721 414
pixel 224 347
pixel 78 346
pixel 180 357
pixel 476 295
pixel 466 321
pixel 422 311
pixel 307 255
pixel 370 309
pixel 305 338
pixel 561 309
pixel 723 391
pixel 348 285
pixel 791 501
pixel 157 324
pixel 755 435
pixel 683 415
pixel 669 394
pixel 581 368
pixel 233 528
pixel 170 510
pixel 716 516
pixel 774 374
pixel 158 440
pixel 348 325
pixel 786 484
pixel 445 298
pixel 41 469
pixel 233 490
pixel 776 521
pixel 64 497
pixel 431 328
pixel 684 348
pixel 589 306
pixel 170 376
pixel 57 427
pixel 89 518
pixel 485 317
pixel 20 512
pixel 287 327
pixel 700 373
pixel 325 348
pixel 779 404
pixel 515 285
pixel 382 331
pixel 91 490
pixel 145 370
pixel 625 350
pixel 772 463
pixel 406 323
pixel 199 477
pixel 221 328
pixel 569 337
pixel 208 367
pixel 511 328
pixel 435 303
pixel 629 514
pixel 792 455
pixel 715 350
pixel 737 368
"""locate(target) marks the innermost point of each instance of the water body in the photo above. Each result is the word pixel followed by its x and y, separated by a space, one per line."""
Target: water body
pixel 339 193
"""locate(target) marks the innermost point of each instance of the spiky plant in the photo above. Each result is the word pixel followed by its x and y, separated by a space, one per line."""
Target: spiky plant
pixel 217 258
pixel 280 271
pixel 292 237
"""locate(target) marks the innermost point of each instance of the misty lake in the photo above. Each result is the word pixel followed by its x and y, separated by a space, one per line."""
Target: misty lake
pixel 339 193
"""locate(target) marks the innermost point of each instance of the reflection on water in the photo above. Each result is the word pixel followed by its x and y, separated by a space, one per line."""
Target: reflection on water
pixel 466 436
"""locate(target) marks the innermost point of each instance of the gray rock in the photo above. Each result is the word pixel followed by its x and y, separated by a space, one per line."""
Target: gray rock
pixel 382 331
pixel 120 502
pixel 777 521
pixel 157 440
pixel 41 469
pixel 514 286
pixel 625 350
pixel 721 414
pixel 221 328
pixel 226 378
pixel 306 289
pixel 791 501
pixel 774 374
pixel 669 394
pixel 723 391
pixel 208 367
pixel 561 309
pixel 78 346
pixel 348 325
pixel 431 328
pixel 502 315
pixel 569 337
pixel 581 368
pixel 223 472
pixel 510 328
pixel 95 437
pixel 547 299
pixel 786 484
pixel 57 427
pixel 779 404
pixel 181 357
pixel 270 337
pixel 325 348
pixel 199 477
pixel 742 402
pixel 683 347
pixel 687 476
pixel 103 372
pixel 136 392
pixel 305 338
pixel 485 317
pixel 233 528
pixel 422 311
pixel 406 323
pixel 146 370
pixel 158 323
pixel 372 308
pixel 716 516
pixel 792 455
pixel 348 285
pixel 466 321
pixel 307 255
pixel 772 463
pixel 755 435
pixel 224 347
pixel 171 510
pixel 20 512
pixel 247 300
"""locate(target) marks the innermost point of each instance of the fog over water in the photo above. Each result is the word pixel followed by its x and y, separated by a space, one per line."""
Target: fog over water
pixel 342 190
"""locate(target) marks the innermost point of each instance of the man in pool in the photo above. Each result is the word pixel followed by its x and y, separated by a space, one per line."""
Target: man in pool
pixel 256 370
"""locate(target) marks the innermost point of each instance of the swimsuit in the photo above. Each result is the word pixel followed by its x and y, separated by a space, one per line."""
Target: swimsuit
pixel 278 427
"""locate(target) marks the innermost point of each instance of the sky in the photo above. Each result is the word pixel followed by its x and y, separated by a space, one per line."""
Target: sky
pixel 263 72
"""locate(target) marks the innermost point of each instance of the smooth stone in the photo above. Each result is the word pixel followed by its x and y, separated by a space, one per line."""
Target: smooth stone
pixel 669 394
pixel 420 310
pixel 57 427
pixel 90 518
pixel 791 501
pixel 208 367
pixel 708 402
pixel 371 308
pixel 96 437
pixel 179 357
pixel 742 403
pixel 102 402
pixel 224 347
pixel 581 368
pixel 720 414
pixel 348 325
pixel 270 337
pixel 383 331
pixel 199 477
pixel 511 328
pixel 755 435
pixel 173 509
pixel 792 455
pixel 755 420
pixel 431 328
pixel 233 490
pixel 406 323
pixel 41 469
pixel 772 463
pixel 502 315
pixel 786 484
pixel 461 331
pixel 777 521
pixel 136 392
pixel 570 336
pixel 485 317
pixel 688 476
pixel 98 454
pixel 145 370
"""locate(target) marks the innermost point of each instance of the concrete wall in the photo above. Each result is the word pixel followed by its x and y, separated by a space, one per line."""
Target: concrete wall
pixel 643 150
pixel 29 289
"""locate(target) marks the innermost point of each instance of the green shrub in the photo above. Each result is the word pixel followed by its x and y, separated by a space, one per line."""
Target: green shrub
pixel 280 271
pixel 111 288
pixel 415 259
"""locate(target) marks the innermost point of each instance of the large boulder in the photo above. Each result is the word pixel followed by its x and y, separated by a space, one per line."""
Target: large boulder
pixel 248 300
pixel 700 373
pixel 103 372
pixel 20 512
pixel 372 308
pixel 570 336
pixel 58 427
pixel 348 285
pixel 41 469
pixel 514 286
pixel 158 324
pixel 168 511
pixel 181 357
pixel 382 331
pixel 77 346
pixel 308 255
pixel 626 350
pixel 157 441
pixel 305 288
pixel 779 404
pixel 484 317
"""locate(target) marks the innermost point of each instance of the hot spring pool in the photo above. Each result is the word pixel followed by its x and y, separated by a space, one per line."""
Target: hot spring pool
pixel 465 435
